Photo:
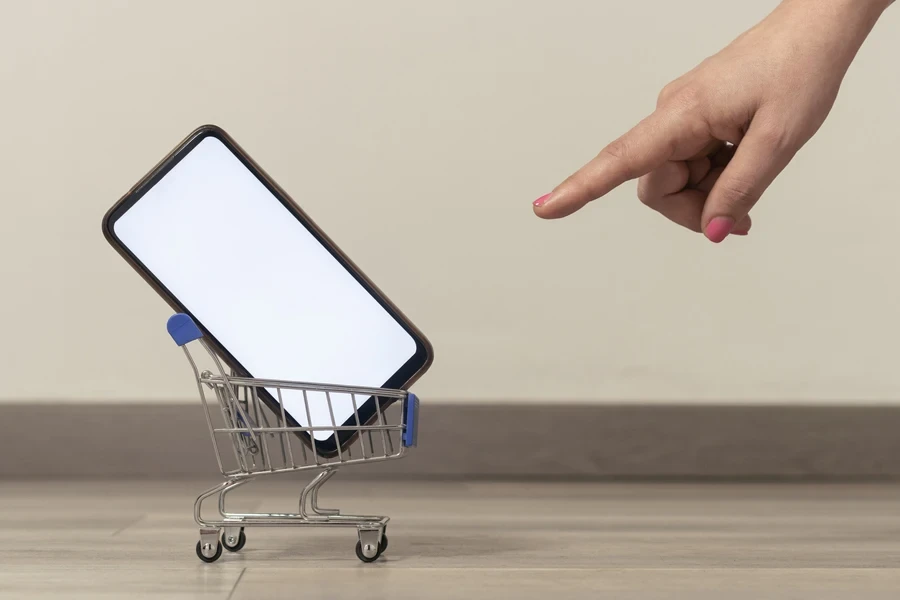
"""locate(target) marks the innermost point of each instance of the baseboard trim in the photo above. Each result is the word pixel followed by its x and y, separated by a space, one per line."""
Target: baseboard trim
pixel 490 441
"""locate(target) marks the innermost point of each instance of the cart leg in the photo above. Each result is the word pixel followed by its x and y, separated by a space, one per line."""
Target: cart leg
pixel 311 491
pixel 198 503
pixel 226 489
pixel 314 496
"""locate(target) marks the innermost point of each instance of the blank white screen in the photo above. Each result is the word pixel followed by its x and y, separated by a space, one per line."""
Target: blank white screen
pixel 260 283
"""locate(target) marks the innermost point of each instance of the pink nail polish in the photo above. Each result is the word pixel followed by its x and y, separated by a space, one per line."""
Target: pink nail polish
pixel 540 201
pixel 719 228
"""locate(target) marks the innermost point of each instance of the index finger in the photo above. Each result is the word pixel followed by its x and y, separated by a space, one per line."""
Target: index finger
pixel 647 146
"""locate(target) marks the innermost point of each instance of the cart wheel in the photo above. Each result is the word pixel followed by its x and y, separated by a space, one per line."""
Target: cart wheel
pixel 213 555
pixel 360 554
pixel 383 545
pixel 238 544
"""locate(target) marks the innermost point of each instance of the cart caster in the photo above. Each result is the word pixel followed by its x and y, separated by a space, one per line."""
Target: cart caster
pixel 366 550
pixel 207 553
pixel 232 542
pixel 208 548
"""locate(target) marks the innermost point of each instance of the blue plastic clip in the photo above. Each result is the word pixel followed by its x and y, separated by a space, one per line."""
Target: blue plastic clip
pixel 411 411
pixel 183 329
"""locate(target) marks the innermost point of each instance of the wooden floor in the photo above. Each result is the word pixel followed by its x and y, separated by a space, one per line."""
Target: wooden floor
pixel 458 540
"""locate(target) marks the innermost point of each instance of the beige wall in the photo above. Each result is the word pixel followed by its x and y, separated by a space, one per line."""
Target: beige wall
pixel 417 133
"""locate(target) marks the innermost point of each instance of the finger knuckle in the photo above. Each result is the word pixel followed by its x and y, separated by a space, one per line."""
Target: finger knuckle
pixel 774 135
pixel 619 152
pixel 666 93
pixel 735 193
pixel 684 97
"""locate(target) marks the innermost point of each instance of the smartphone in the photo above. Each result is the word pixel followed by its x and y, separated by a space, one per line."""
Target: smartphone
pixel 274 296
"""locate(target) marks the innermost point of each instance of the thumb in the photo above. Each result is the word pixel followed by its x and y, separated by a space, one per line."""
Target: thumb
pixel 650 144
pixel 760 156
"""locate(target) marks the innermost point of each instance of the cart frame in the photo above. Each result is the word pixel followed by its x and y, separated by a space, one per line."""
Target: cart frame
pixel 242 433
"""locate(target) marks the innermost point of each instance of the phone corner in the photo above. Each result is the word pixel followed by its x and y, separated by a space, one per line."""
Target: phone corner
pixel 209 130
pixel 427 348
pixel 108 222
pixel 429 355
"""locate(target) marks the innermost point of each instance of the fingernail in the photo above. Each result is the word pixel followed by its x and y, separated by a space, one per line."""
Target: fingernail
pixel 719 228
pixel 540 201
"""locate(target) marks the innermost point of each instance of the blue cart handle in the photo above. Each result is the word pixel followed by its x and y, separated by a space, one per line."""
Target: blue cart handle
pixel 411 420
pixel 183 329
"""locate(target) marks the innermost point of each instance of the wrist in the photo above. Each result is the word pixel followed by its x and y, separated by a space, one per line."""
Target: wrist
pixel 845 22
pixel 867 7
pixel 876 7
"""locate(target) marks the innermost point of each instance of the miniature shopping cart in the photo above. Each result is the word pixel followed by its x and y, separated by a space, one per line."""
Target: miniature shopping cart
pixel 252 437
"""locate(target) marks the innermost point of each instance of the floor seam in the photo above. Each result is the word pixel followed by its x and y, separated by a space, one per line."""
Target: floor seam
pixel 237 581
pixel 127 525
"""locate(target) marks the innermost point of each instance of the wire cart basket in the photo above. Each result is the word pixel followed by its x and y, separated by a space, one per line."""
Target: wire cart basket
pixel 252 437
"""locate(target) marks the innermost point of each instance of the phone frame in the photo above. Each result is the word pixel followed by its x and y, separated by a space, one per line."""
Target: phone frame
pixel 410 372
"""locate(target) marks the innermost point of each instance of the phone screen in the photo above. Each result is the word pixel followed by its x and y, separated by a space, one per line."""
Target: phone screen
pixel 262 284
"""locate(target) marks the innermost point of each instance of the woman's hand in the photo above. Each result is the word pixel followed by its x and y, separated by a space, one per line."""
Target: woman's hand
pixel 722 132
